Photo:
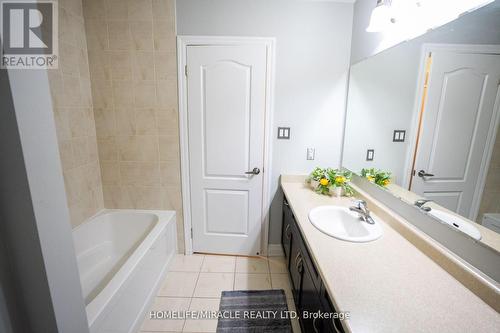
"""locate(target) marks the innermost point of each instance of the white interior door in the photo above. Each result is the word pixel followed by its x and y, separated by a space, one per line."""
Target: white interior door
pixel 455 129
pixel 226 92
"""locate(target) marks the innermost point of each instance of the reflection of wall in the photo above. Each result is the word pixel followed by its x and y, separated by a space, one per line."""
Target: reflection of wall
pixel 312 57
pixel 381 100
pixel 72 100
pixel 132 57
pixel 490 202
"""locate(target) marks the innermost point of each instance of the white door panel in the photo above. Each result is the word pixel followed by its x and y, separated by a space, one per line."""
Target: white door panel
pixel 229 107
pixel 456 125
pixel 226 205
pixel 450 200
pixel 226 112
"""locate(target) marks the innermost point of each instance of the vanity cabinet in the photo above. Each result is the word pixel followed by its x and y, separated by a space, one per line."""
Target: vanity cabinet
pixel 307 288
pixel 286 234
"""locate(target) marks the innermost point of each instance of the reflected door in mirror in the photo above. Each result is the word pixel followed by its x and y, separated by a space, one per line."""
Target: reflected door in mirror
pixel 457 124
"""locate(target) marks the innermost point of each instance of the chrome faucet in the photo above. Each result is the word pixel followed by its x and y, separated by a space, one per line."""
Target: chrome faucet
pixel 420 204
pixel 363 211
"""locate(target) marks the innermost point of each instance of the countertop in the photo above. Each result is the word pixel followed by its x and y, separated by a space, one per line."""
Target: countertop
pixel 387 285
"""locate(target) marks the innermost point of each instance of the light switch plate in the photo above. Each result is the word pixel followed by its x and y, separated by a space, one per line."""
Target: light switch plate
pixel 284 133
pixel 399 136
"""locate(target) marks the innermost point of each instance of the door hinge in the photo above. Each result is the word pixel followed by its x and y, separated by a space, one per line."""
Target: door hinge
pixel 186 70
pixel 191 233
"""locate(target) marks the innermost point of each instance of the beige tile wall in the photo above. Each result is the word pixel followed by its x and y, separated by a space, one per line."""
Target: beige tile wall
pixel 74 117
pixel 490 203
pixel 132 56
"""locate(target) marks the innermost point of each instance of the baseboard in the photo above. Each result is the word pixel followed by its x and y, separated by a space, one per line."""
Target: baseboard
pixel 275 250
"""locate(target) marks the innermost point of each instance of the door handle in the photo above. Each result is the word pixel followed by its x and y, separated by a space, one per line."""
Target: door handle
pixel 314 325
pixel 286 231
pixel 337 330
pixel 423 174
pixel 255 171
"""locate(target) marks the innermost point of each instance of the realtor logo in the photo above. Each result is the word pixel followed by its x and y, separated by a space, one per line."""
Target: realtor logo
pixel 29 34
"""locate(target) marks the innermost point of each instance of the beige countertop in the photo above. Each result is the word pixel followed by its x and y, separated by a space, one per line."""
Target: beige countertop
pixel 387 285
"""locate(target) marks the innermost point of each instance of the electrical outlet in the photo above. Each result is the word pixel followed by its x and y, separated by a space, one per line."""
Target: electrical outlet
pixel 370 154
pixel 310 154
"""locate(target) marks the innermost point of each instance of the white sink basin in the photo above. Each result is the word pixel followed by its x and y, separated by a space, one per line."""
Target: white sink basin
pixel 341 223
pixel 456 222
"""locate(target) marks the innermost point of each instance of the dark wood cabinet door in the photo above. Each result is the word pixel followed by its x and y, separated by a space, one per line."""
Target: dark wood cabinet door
pixel 296 266
pixel 331 325
pixel 286 232
pixel 310 304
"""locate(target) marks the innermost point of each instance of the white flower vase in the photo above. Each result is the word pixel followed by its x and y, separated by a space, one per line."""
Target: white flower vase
pixel 338 192
pixel 314 184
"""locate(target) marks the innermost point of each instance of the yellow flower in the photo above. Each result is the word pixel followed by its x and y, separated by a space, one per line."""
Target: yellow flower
pixel 324 181
pixel 340 179
pixel 387 182
pixel 371 178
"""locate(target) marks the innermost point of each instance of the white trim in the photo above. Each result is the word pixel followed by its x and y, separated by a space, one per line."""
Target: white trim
pixel 458 48
pixel 275 250
pixel 182 43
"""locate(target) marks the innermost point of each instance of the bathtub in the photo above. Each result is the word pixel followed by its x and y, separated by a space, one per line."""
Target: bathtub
pixel 122 256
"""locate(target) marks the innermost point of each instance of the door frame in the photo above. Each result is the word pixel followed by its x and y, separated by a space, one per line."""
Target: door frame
pixel 182 43
pixel 492 132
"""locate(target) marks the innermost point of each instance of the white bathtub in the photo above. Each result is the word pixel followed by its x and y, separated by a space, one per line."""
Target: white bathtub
pixel 122 257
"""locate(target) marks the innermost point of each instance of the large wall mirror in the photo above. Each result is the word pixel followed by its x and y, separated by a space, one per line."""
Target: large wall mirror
pixel 422 123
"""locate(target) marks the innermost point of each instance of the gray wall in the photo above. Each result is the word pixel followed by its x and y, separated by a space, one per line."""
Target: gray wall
pixel 312 57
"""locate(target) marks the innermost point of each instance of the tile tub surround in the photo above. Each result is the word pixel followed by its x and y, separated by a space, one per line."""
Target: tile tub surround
pixel 388 284
pixel 195 283
pixel 132 57
pixel 74 118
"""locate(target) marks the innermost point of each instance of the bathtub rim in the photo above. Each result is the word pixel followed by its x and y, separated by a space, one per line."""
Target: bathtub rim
pixel 98 305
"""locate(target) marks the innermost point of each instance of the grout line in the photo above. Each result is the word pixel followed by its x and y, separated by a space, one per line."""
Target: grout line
pixel 234 273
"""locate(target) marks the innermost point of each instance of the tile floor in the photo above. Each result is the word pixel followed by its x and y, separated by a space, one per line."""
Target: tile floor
pixel 195 283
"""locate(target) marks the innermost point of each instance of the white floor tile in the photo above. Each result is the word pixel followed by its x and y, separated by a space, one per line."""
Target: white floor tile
pixel 212 284
pixel 282 281
pixel 218 264
pixel 183 263
pixel 202 325
pixel 179 284
pixel 278 265
pixel 243 281
pixel 251 265
pixel 166 325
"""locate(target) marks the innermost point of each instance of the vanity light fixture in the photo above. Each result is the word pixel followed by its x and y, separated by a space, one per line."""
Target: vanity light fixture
pixel 381 16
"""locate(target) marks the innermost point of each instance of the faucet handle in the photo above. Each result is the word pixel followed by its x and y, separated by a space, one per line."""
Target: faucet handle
pixel 360 203
pixel 421 202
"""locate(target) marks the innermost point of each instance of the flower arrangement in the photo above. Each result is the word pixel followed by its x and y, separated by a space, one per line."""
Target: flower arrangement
pixel 379 177
pixel 324 180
